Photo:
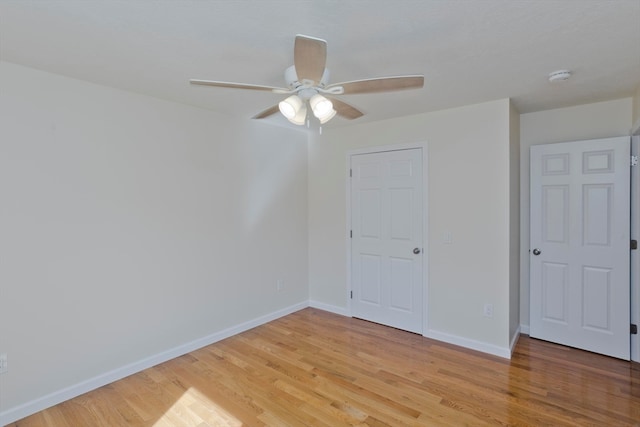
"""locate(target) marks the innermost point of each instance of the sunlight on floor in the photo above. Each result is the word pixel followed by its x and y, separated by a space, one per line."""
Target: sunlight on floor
pixel 195 409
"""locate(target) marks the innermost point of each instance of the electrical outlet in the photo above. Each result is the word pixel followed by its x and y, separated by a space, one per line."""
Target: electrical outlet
pixel 488 310
pixel 279 284
pixel 4 366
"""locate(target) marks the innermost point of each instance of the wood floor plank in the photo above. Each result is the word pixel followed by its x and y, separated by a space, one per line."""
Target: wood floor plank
pixel 317 368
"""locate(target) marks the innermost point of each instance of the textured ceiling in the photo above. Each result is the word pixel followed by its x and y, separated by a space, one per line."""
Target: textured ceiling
pixel 469 51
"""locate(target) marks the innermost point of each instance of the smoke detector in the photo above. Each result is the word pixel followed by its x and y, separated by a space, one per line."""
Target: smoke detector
pixel 559 76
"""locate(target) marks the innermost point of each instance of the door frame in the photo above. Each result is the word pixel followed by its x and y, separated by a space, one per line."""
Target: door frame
pixel 571 340
pixel 635 234
pixel 425 222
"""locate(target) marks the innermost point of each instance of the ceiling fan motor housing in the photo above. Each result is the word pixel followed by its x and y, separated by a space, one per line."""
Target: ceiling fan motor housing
pixel 291 77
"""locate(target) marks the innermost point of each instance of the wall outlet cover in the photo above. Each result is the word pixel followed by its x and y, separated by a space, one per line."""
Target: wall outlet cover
pixel 4 365
pixel 488 310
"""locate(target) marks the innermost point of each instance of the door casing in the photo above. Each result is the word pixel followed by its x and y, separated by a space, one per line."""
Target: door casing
pixel 581 336
pixel 635 255
pixel 425 212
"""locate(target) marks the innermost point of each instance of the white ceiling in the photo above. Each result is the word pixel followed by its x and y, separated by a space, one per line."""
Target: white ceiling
pixel 469 51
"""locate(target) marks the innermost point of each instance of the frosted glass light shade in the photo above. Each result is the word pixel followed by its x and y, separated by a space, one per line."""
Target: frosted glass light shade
pixel 290 106
pixel 300 117
pixel 321 106
pixel 328 116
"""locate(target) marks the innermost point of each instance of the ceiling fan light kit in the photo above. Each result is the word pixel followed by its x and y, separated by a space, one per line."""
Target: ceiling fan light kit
pixel 290 106
pixel 301 116
pixel 330 115
pixel 322 108
pixel 308 82
pixel 295 110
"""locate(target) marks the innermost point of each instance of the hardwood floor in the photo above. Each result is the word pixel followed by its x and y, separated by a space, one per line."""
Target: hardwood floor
pixel 320 369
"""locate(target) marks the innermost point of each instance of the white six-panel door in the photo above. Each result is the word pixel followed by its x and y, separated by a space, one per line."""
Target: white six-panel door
pixel 386 243
pixel 580 214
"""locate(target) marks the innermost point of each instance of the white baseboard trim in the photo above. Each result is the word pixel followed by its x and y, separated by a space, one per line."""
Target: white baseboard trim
pixel 330 308
pixel 514 341
pixel 14 414
pixel 440 336
pixel 39 404
pixel 469 343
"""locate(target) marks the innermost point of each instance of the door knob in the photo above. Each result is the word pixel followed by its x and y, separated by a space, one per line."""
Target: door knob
pixel 536 251
pixel 416 251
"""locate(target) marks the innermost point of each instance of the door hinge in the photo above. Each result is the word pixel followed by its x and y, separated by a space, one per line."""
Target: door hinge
pixel 634 160
pixel 351 234
pixel 634 329
pixel 351 294
pixel 351 172
pixel 634 244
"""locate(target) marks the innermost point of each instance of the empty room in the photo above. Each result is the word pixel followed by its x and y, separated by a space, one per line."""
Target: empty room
pixel 319 213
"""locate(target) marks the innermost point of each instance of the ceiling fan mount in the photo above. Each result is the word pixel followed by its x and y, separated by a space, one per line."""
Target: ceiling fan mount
pixel 296 86
pixel 308 83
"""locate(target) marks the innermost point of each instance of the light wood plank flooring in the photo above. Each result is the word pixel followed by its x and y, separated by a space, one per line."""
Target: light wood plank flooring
pixel 314 368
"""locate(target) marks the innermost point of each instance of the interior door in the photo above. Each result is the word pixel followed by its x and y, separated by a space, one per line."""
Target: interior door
pixel 386 242
pixel 580 214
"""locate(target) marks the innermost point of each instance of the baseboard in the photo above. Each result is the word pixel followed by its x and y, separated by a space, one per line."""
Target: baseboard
pixel 524 329
pixel 440 336
pixel 330 308
pixel 470 344
pixel 13 414
pixel 514 341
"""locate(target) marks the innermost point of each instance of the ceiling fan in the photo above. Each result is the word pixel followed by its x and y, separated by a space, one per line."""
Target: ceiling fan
pixel 309 89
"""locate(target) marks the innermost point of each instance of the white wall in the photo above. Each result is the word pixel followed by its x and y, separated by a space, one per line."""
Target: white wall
pixel 468 191
pixel 514 224
pixel 131 225
pixel 636 109
pixel 591 121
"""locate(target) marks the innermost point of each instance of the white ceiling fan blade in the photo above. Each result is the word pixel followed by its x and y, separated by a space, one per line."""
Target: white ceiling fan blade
pixel 266 113
pixel 309 57
pixel 239 86
pixel 345 110
pixel 383 84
